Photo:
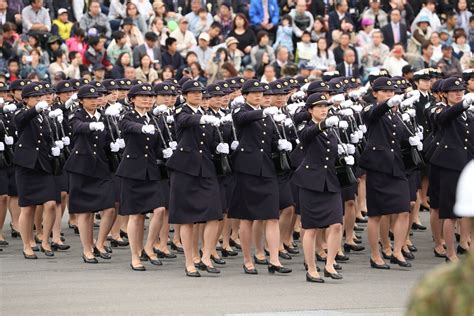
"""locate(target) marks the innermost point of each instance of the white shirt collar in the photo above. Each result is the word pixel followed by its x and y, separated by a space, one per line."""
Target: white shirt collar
pixel 96 115
pixel 195 109
pixel 254 107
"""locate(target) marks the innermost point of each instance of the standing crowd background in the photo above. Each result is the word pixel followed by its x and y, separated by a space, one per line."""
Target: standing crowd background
pixel 154 40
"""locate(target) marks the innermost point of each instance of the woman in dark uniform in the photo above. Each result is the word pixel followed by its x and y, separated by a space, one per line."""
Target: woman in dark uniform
pixel 319 190
pixel 34 178
pixel 6 155
pixel 91 187
pixel 194 189
pixel 256 193
pixel 140 176
pixel 387 186
pixel 455 150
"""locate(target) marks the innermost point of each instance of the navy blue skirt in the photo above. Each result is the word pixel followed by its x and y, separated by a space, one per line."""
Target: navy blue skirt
pixel 140 196
pixel 35 187
pixel 447 192
pixel 320 209
pixel 285 192
pixel 87 194
pixel 193 199
pixel 433 187
pixel 386 194
pixel 3 182
pixel 12 187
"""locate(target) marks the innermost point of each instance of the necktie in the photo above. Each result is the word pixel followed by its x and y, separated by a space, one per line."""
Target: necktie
pixel 396 33
pixel 349 71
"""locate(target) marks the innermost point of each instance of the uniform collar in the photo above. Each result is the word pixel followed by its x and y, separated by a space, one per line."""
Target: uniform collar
pixel 195 109
pixel 254 107
pixel 96 115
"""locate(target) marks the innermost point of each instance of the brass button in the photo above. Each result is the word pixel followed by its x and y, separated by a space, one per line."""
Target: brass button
pixel 41 134
pixel 394 125
pixel 261 150
pixel 325 167
pixel 200 151
pixel 394 134
pixel 465 148
pixel 301 147
pixel 264 124
pixel 307 167
pixel 146 155
pixel 148 138
pixel 437 143
pixel 202 143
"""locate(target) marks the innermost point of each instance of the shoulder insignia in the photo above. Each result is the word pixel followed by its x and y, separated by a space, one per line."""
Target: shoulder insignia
pixel 367 108
pixel 438 110
pixel 300 127
pixel 179 110
pixel 237 110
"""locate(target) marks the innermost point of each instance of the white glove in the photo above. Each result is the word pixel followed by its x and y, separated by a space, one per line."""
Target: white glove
pixel 349 160
pixel 343 124
pixel 346 112
pixel 41 106
pixel 222 148
pixel 279 117
pixel 148 129
pixel 53 114
pixel 2 146
pixel 9 107
pixel 411 112
pixel 288 122
pixel 226 119
pixel 360 134
pixel 363 128
pixel 362 90
pixel 272 110
pixel 468 100
pixel 114 147
pixel 347 104
pixel 293 107
pixel 120 142
pixel 414 140
pixel 351 149
pixel 66 141
pixel 60 118
pixel 338 98
pixel 112 111
pixel 355 94
pixel 59 144
pixel 210 119
pixel 406 117
pixel 357 108
pixel 238 101
pixel 55 151
pixel 419 146
pixel 118 106
pixel 282 144
pixel 173 145
pixel 406 103
pixel 234 145
pixel 71 101
pixel 96 126
pixel 331 121
pixel 160 109
pixel 9 140
pixel 471 109
pixel 289 146
pixel 341 149
pixel 395 100
pixel 419 135
pixel 414 94
pixel 297 96
pixel 304 88
pixel 169 119
pixel 354 138
pixel 420 128
pixel 167 153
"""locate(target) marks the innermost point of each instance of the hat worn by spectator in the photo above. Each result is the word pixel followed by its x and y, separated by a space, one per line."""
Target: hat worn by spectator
pixel 64 86
pixel 252 85
pixel 366 22
pixel 54 39
pixel 163 88
pixel 144 89
pixel 231 40
pixel 87 92
pixel 422 74
pixel 249 68
pixel 316 99
pixel 214 90
pixel 423 19
pixel 34 89
pixel 98 67
pixel 446 47
pixel 453 84
pixel 110 84
pixel 62 11
pixel 192 85
pixel 205 37
pixel 383 83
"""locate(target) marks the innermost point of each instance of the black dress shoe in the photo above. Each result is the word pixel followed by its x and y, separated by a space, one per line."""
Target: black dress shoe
pixel 337 266
pixel 267 253
pixel 33 256
pixel 349 247
pixel 108 249
pixel 71 226
pixel 357 241
pixel 118 243
pixel 320 259
pixel 412 248
pixel 416 226
pixel 47 253
pixel 56 247
pixel 408 255
pixel 401 263
pixel 424 208
pixel 89 260
pixel 439 255
pixel 228 253
pixel 176 248
pixel 291 250
pixel 260 261
pixel 296 235
pixel 461 251
pixel 204 267
pixel 76 230
pixel 194 274
pixel 164 255
pixel 250 271
pixel 37 240
pixel 342 257
pixel 233 243
pixel 361 220
pixel 458 237
pixel 123 234
pixel 103 255
pixel 155 262
pixel 358 229
pixel 280 269
pixel 218 260
pixel 383 266
pixel 15 233
pixel 35 248
pixel 358 236
pixel 335 276
pixel 3 243
pixel 284 255
pixel 306 267
pixel 139 268
pixel 310 278
pixel 385 256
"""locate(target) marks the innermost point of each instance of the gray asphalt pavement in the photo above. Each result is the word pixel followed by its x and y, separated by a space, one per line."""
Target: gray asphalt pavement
pixel 64 285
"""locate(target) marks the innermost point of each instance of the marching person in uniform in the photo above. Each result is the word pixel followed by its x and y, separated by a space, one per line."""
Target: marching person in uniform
pixel 140 176
pixel 34 171
pixel 91 187
pixel 256 193
pixel 194 189
pixel 387 186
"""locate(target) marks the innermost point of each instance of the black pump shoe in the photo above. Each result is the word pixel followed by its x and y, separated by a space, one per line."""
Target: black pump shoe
pixel 194 274
pixel 349 247
pixel 56 247
pixel 335 276
pixel 176 248
pixel 439 255
pixel 320 259
pixel 342 257
pixel 416 226
pixel 89 260
pixel 218 260
pixel 47 253
pixel 228 253
pixel 461 251
pixel 232 243
pixel 118 243
pixel 155 262
pixel 139 268
pixel 260 261
pixel 401 263
pixel 33 256
pixel 164 255
pixel 412 248
pixel 291 250
pixel 280 269
pixel 204 267
pixel 250 271
pixel 123 234
pixel 103 255
pixel 3 243
pixel 310 278
pixel 284 255
pixel 361 220
pixel 408 255
pixel 15 233
pixel 383 266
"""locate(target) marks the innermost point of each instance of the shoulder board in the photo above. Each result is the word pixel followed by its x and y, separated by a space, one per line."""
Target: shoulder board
pixel 301 126
pixel 438 110
pixel 178 110
pixel 368 107
pixel 236 110
pixel 19 110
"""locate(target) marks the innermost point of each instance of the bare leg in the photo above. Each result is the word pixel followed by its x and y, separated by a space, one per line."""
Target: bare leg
pixel 361 196
pixel 436 228
pixel 106 222
pixel 3 213
pixel 49 214
pixel 39 222
pixel 465 224
pixel 257 234
pixel 272 234
pixel 384 234
pixel 246 242
pixel 400 230
pixel 334 237
pixel 424 191
pixel 226 233
pixel 210 240
pixel 448 232
pixel 85 232
pixel 14 211
pixel 26 227
pixel 235 230
pixel 57 224
pixel 285 226
pixel 164 231
pixel 308 248
pixel 136 224
pixel 154 230
pixel 186 231
pixel 196 237
pixel 177 234
pixel 349 221
pixel 373 231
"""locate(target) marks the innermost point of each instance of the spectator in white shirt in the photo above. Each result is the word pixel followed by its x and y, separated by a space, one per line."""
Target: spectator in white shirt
pixel 202 50
pixel 197 19
pixel 395 62
pixel 184 37
pixel 73 71
pixel 36 17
